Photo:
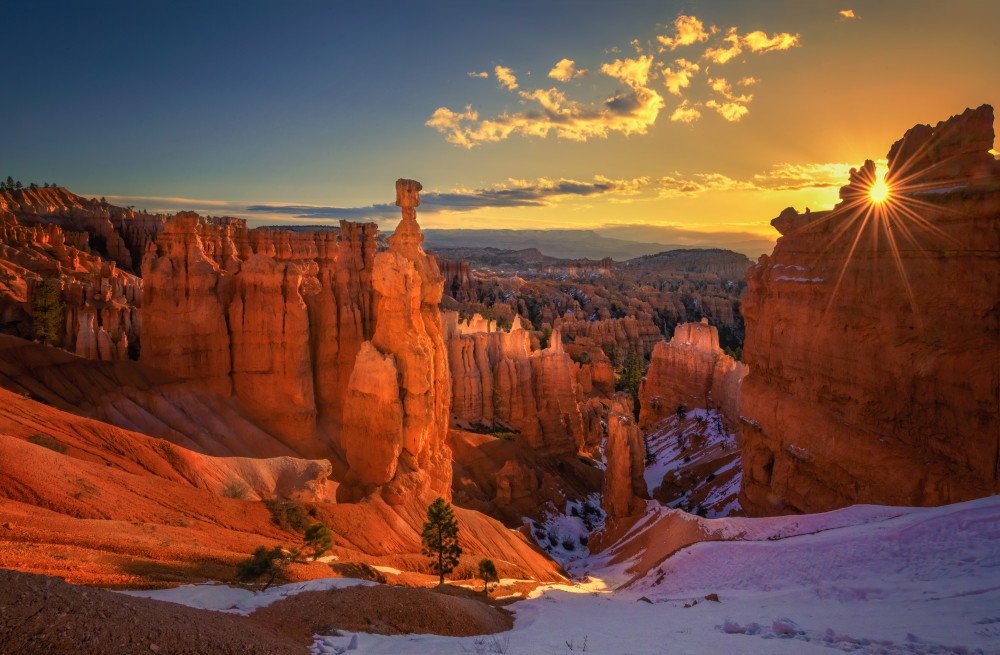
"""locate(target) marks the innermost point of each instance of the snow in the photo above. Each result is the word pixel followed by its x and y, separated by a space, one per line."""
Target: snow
pixel 236 600
pixel 798 279
pixel 865 579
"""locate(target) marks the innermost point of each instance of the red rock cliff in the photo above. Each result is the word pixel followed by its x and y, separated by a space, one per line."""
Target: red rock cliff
pixel 692 371
pixel 873 336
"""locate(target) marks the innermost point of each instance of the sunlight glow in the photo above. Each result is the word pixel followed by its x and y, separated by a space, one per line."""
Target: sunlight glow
pixel 880 190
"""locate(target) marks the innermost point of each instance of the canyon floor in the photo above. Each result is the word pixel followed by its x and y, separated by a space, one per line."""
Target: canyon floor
pixel 865 579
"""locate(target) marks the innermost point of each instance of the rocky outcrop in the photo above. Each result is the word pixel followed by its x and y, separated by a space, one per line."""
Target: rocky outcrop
pixel 457 279
pixel 333 348
pixel 100 315
pixel 620 335
pixel 396 423
pixel 624 483
pixel 691 371
pixel 498 380
pixel 872 337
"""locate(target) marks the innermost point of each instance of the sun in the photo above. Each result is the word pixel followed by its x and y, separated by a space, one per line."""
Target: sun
pixel 879 191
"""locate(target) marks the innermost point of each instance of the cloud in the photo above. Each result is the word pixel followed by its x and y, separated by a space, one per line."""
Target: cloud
pixel 482 75
pixel 747 81
pixel 680 78
pixel 847 14
pixel 687 30
pixel 566 70
pixel 686 113
pixel 731 111
pixel 781 177
pixel 760 42
pixel 512 193
pixel 721 55
pixel 506 77
pixel 757 42
pixel 628 112
pixel 634 72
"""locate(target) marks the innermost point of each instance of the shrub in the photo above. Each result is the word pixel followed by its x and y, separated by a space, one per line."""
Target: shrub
pixel 288 514
pixel 47 442
pixel 318 540
pixel 235 488
pixel 264 563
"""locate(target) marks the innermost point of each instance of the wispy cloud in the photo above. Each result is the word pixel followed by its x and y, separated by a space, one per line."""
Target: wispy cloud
pixel 512 193
pixel 847 14
pixel 760 42
pixel 506 77
pixel 687 31
pixel 780 177
pixel 747 81
pixel 566 70
pixel 483 75
pixel 722 54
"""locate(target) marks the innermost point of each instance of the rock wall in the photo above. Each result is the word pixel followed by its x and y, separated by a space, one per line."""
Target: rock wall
pixel 498 380
pixel 873 336
pixel 692 371
pixel 330 346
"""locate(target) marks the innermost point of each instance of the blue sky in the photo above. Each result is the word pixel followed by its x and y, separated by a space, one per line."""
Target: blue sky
pixel 223 106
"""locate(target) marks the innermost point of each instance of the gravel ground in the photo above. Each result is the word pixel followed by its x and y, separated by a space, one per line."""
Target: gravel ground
pixel 383 610
pixel 39 614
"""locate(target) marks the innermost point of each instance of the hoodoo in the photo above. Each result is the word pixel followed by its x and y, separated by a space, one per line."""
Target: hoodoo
pixel 872 336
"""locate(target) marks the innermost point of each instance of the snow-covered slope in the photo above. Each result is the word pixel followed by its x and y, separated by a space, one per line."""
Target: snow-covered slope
pixel 874 580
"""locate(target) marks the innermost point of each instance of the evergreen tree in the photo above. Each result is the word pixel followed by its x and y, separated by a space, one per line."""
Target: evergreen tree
pixel 318 539
pixel 47 312
pixel 487 573
pixel 265 563
pixel 10 183
pixel 440 538
pixel 631 376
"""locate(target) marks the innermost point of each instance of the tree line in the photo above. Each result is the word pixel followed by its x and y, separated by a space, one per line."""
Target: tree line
pixel 10 184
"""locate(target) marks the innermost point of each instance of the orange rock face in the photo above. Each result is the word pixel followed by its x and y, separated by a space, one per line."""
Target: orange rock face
pixel 624 484
pixel 872 337
pixel 498 380
pixel 396 424
pixel 691 371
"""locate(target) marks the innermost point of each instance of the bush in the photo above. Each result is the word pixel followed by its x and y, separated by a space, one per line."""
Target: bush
pixel 235 488
pixel 47 442
pixel 288 514
pixel 318 540
pixel 264 563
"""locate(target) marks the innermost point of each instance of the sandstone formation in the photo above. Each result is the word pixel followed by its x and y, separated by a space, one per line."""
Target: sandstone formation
pixel 41 241
pixel 638 333
pixel 499 381
pixel 396 421
pixel 624 485
pixel 691 371
pixel 872 336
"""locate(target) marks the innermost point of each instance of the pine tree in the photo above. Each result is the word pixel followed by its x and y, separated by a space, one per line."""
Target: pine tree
pixel 487 573
pixel 440 538
pixel 47 312
pixel 631 377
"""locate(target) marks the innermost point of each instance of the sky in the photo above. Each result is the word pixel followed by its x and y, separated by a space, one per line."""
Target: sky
pixel 703 119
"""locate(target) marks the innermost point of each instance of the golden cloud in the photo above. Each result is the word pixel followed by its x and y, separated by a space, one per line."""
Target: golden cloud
pixel 760 42
pixel 847 14
pixel 685 113
pixel 687 30
pixel 781 177
pixel 731 111
pixel 680 78
pixel 747 81
pixel 506 77
pixel 566 70
pixel 634 72
pixel 482 75
pixel 721 55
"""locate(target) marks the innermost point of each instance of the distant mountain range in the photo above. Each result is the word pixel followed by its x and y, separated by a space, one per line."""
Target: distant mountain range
pixel 598 243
